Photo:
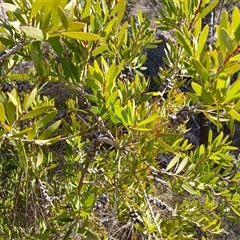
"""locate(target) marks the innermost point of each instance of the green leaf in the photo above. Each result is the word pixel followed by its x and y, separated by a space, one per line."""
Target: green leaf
pixel 2 113
pixel 69 10
pixel 35 33
pixel 56 45
pixel 208 9
pixel 184 43
pixel 121 114
pixel 63 18
pixel 99 50
pixel 233 113
pixel 165 145
pixel 148 120
pixel 39 158
pixel 226 39
pixel 94 84
pixel 202 93
pixel 237 211
pixel 49 132
pixel 234 92
pixel 188 188
pixel 11 7
pixel 76 26
pixel 36 112
pixel 20 134
pixel 42 236
pixel 237 105
pixel 122 32
pixel 202 40
pixel 13 99
pixel 42 122
pixel 10 112
pixel 28 100
pixel 47 142
pixel 182 164
pixel 23 162
pixel 235 58
pixel 201 70
pixel 89 201
pixel 234 219
pixel 36 7
pixel 86 9
pixel 121 12
pixel 173 162
pixel 111 99
pixel 33 132
pixel 87 234
pixel 81 35
pixel 233 68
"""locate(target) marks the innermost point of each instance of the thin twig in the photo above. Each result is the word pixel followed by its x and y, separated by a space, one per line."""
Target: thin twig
pixel 7 53
pixel 114 211
pixel 152 214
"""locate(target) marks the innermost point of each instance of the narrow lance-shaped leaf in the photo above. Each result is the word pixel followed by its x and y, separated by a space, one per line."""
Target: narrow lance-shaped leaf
pixel 188 188
pixel 148 120
pixel 48 133
pixel 63 18
pixel 234 92
pixel 35 33
pixel 202 93
pixel 23 162
pixel 182 165
pixel 20 134
pixel 202 41
pixel 81 35
pixel 226 39
pixel 173 162
pixel 39 158
pixel 2 113
pixel 201 70
pixel 185 44
pixel 36 7
pixel 28 100
pixel 42 122
pixel 121 13
pixel 11 7
pixel 208 9
pixel 99 50
pixel 233 113
pixel 36 112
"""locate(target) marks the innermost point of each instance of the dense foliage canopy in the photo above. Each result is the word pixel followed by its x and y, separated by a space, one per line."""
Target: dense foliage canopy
pixel 88 151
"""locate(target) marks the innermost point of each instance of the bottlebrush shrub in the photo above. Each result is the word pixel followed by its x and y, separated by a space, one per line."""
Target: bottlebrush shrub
pixel 90 167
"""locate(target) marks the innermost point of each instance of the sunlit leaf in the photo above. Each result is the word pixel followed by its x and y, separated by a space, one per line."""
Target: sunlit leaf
pixel 188 188
pixel 202 92
pixel 148 120
pixel 11 7
pixel 2 113
pixel 173 162
pixel 201 70
pixel 35 33
pixel 36 112
pixel 182 165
